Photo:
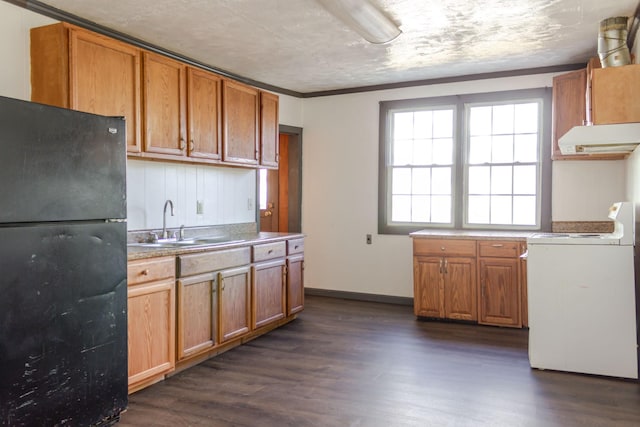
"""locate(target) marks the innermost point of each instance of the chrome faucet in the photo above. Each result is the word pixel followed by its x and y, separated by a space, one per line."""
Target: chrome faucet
pixel 165 234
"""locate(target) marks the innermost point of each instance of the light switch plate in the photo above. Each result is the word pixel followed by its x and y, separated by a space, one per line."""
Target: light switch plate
pixel 199 207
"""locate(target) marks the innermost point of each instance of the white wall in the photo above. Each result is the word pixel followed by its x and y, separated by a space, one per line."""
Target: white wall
pixel 340 184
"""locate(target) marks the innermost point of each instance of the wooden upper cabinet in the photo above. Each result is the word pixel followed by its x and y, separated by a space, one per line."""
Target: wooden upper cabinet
pixel 569 106
pixel 269 132
pixel 204 113
pixel 77 69
pixel 240 123
pixel 164 105
pixel 614 94
pixel 571 92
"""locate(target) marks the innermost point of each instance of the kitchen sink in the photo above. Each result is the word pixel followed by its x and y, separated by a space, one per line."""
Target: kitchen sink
pixel 201 241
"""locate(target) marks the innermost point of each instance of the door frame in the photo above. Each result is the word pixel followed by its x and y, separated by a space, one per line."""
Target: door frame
pixel 295 180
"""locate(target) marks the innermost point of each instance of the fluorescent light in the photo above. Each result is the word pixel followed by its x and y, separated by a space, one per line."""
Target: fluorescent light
pixel 364 18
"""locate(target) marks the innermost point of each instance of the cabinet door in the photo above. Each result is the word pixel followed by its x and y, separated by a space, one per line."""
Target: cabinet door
pixel 151 330
pixel 104 77
pixel 204 95
pixel 268 292
pixel 269 131
pixel 499 292
pixel 197 314
pixel 164 105
pixel 240 111
pixel 295 284
pixel 234 303
pixel 428 294
pixel 460 289
pixel 569 105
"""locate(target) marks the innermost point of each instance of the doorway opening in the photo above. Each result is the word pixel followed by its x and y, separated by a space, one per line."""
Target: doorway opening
pixel 280 191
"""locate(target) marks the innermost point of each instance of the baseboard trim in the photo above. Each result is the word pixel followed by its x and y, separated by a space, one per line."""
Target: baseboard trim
pixel 359 296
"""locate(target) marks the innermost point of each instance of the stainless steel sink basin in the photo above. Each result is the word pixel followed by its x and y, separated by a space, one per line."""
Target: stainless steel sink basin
pixel 204 241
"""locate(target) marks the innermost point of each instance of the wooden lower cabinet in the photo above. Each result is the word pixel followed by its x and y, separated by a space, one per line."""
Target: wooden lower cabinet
pixel 485 285
pixel 295 284
pixel 268 294
pixel 445 287
pixel 197 314
pixel 499 302
pixel 234 303
pixel 151 320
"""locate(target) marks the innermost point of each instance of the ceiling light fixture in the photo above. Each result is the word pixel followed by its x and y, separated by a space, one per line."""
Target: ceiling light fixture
pixel 364 18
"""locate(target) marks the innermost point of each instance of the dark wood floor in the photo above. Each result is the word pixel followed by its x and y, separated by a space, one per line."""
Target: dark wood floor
pixel 347 363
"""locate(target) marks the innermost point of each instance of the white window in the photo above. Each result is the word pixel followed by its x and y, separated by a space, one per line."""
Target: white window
pixel 465 162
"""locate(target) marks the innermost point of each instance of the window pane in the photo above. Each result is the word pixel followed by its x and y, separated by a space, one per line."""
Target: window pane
pixel 524 210
pixel 480 121
pixel 403 126
pixel 441 181
pixel 501 180
pixel 443 151
pixel 480 149
pixel 526 148
pixel 441 209
pixel 401 208
pixel 420 209
pixel 478 209
pixel 422 124
pixel 524 179
pixel 502 119
pixel 402 152
pixel 480 180
pixel 421 181
pixel 422 152
pixel 401 181
pixel 443 124
pixel 500 209
pixel 526 118
pixel 502 149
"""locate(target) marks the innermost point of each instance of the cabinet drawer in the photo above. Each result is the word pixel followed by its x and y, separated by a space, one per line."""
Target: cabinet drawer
pixel 148 270
pixel 295 246
pixel 206 262
pixel 269 251
pixel 439 247
pixel 499 248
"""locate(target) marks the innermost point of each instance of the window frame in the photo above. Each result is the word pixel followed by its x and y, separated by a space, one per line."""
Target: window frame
pixel 459 167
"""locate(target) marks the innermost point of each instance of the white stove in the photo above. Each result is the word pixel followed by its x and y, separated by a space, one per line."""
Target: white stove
pixel 581 296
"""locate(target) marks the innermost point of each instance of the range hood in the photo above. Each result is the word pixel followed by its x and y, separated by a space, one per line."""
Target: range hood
pixel 601 139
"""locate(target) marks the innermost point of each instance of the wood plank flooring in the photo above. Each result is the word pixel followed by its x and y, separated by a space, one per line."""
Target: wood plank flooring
pixel 350 363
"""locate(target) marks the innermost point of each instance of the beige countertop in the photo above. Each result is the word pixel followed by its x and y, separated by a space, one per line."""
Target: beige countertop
pixel 471 234
pixel 235 241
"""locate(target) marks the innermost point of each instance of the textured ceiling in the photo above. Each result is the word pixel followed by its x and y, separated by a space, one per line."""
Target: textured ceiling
pixel 299 46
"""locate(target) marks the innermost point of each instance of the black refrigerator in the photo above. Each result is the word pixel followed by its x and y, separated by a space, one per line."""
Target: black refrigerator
pixel 63 261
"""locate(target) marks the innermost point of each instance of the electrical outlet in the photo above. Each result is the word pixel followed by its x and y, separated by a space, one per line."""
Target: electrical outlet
pixel 199 207
pixel 368 239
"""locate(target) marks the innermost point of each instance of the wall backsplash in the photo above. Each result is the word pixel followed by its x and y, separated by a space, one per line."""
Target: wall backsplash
pixel 227 195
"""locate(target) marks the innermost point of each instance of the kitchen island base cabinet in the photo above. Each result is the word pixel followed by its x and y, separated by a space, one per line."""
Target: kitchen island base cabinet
pixel 151 320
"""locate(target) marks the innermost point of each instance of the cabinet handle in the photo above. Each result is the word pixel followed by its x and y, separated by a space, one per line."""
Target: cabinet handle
pixel 222 287
pixel 441 260
pixel 145 272
pixel 191 145
pixel 497 245
pixel 270 251
pixel 446 266
pixel 182 144
pixel 442 248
